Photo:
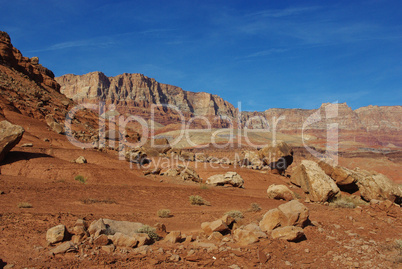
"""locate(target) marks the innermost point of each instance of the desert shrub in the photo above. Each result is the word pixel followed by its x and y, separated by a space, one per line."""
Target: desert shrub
pixel 346 201
pixel 254 207
pixel 197 200
pixel 24 205
pixel 81 179
pixel 164 213
pixel 236 214
pixel 203 187
pixel 151 232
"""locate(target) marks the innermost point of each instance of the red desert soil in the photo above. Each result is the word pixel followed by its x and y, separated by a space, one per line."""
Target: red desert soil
pixel 43 175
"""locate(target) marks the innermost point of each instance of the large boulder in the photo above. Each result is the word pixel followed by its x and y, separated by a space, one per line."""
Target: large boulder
pixel 313 180
pixel 215 226
pixel 231 178
pixel 289 233
pixel 10 135
pixel 377 186
pixel 280 192
pixel 56 234
pixel 341 175
pixel 110 227
pixel 277 157
pixel 251 158
pixel 292 213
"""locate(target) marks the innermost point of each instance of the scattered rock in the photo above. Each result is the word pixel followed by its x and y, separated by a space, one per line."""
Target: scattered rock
pixel 341 175
pixel 56 234
pixel 153 171
pixel 214 226
pixel 271 220
pixel 231 178
pixel 289 233
pixel 136 156
pixel 122 240
pixel 280 192
pixel 377 186
pixel 190 174
pixel 63 248
pixel 109 249
pixel 10 135
pixel 294 214
pixel 313 180
pixel 215 236
pixel 101 240
pixel 173 237
pixel 245 237
pixel 54 125
pixel 81 160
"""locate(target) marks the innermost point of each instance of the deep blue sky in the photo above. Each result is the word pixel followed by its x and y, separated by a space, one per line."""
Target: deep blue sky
pixel 290 54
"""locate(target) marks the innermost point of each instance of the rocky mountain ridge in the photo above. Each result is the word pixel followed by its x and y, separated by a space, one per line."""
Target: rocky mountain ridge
pixel 135 93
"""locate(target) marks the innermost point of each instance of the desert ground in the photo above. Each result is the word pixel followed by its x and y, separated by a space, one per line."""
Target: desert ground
pixel 43 176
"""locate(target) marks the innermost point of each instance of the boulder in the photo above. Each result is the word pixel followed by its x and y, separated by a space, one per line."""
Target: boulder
pixel 271 220
pixel 255 228
pixel 63 248
pixel 313 180
pixel 136 156
pixel 101 240
pixel 171 172
pixel 215 236
pixel 173 237
pixel 294 213
pixel 289 233
pixel 341 175
pixel 280 192
pixel 231 178
pixel 189 173
pixel 123 240
pixel 81 160
pixel 277 157
pixel 245 237
pixel 56 234
pixel 54 125
pixel 377 186
pixel 251 158
pixel 111 227
pixel 10 135
pixel 214 226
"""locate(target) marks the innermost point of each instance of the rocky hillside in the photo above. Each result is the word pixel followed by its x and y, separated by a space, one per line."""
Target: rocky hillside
pixel 28 88
pixel 135 93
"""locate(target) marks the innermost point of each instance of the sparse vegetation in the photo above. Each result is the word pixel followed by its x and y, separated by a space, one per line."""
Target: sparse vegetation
pixel 254 207
pixel 343 201
pixel 24 205
pixel 97 201
pixel 236 214
pixel 81 179
pixel 150 231
pixel 198 200
pixel 203 187
pixel 164 213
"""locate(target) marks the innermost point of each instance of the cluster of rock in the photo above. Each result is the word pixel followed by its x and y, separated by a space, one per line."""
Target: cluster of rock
pixel 184 172
pixel 322 182
pixel 285 222
pixel 105 233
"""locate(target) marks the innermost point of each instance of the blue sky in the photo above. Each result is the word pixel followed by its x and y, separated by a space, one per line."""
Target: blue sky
pixel 265 54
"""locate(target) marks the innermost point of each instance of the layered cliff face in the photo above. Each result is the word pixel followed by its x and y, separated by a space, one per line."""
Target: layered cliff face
pixel 135 93
pixel 137 90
